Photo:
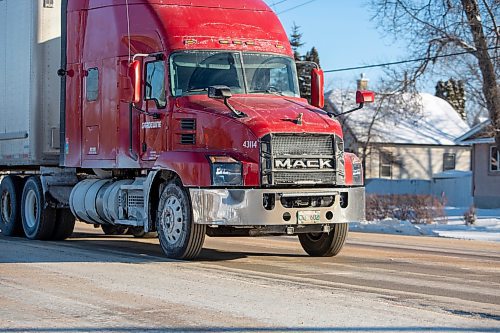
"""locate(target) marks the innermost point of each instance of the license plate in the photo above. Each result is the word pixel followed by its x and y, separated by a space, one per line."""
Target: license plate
pixel 308 217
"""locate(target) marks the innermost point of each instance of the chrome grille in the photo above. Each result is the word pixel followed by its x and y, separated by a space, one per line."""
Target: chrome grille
pixel 303 178
pixel 302 145
pixel 284 159
pixel 135 201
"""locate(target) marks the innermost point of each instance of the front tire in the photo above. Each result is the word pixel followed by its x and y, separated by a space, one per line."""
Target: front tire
pixel 38 219
pixel 11 190
pixel 179 237
pixel 325 244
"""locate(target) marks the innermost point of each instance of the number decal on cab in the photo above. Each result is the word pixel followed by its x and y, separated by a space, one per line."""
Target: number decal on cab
pixel 250 144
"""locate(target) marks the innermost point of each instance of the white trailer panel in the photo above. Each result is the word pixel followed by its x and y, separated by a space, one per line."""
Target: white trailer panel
pixel 30 55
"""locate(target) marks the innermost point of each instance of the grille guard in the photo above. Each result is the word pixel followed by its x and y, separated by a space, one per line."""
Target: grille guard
pixel 301 148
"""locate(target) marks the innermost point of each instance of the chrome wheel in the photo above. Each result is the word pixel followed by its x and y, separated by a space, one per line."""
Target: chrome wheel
pixel 30 209
pixel 172 220
pixel 11 188
pixel 38 218
pixel 179 237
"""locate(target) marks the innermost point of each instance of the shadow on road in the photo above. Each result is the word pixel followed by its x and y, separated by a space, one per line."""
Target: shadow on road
pixel 93 247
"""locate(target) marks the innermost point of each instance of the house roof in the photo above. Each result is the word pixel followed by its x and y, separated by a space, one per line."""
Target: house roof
pixel 435 122
pixel 478 134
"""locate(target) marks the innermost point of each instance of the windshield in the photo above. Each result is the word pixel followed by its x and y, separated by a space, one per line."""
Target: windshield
pixel 192 72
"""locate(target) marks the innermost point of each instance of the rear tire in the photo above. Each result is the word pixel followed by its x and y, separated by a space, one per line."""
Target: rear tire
pixel 65 223
pixel 113 230
pixel 325 244
pixel 11 190
pixel 179 237
pixel 138 232
pixel 38 219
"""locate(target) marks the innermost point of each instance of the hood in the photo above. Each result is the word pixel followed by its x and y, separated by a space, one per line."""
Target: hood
pixel 268 114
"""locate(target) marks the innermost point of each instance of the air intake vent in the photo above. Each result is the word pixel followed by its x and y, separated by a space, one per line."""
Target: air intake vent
pixel 188 124
pixel 188 139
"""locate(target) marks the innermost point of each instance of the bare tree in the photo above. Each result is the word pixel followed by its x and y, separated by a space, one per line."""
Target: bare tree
pixel 437 27
pixel 395 102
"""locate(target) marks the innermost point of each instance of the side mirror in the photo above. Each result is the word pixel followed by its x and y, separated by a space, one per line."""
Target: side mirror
pixel 362 97
pixel 224 92
pixel 135 74
pixel 317 88
pixel 365 96
pixel 219 92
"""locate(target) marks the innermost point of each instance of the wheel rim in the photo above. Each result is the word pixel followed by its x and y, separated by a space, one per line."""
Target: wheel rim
pixel 172 220
pixel 30 209
pixel 6 206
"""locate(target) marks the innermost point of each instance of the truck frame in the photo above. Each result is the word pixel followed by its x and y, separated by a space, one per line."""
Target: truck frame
pixel 176 117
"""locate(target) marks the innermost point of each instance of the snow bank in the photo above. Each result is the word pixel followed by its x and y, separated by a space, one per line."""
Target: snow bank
pixel 487 227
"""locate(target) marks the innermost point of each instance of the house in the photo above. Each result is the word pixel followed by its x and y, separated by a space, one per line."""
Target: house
pixel 485 165
pixel 403 144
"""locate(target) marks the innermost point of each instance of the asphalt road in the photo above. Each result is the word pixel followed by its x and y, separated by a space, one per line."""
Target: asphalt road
pixel 379 283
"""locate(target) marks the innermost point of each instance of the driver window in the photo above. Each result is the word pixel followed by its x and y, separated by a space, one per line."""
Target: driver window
pixel 269 74
pixel 155 83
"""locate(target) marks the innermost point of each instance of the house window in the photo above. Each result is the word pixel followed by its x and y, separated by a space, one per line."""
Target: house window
pixel 448 161
pixel 48 3
pixel 92 84
pixel 494 159
pixel 386 165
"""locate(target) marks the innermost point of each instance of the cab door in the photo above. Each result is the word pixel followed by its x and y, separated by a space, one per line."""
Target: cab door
pixel 99 104
pixel 153 118
pixel 91 115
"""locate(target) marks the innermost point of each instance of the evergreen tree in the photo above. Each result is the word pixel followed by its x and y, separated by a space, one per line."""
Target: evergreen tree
pixel 296 41
pixel 313 55
pixel 454 93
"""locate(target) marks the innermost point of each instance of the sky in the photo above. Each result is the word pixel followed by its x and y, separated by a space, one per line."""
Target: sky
pixel 344 34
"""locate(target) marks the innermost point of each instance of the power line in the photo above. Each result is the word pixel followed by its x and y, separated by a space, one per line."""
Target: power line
pixel 277 3
pixel 292 8
pixel 404 61
pixel 273 5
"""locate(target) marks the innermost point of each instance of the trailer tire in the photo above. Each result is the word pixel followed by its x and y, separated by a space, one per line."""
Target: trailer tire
pixel 65 223
pixel 325 244
pixel 113 230
pixel 180 237
pixel 38 218
pixel 11 190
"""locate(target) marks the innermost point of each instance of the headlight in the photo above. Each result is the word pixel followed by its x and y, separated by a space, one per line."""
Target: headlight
pixel 226 171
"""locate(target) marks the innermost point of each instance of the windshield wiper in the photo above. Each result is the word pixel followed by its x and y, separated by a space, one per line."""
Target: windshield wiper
pixel 197 90
pixel 268 91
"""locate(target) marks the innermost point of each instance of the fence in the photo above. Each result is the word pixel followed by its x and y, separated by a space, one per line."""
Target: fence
pixel 451 188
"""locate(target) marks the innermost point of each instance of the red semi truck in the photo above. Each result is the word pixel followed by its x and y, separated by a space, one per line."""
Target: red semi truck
pixel 181 117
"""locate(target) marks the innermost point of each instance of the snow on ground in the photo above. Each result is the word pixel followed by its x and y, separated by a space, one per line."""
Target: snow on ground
pixel 486 228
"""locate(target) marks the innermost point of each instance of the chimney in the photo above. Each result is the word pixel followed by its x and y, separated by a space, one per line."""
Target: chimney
pixel 362 82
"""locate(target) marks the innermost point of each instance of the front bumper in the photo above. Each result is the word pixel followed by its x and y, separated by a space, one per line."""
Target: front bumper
pixel 245 207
